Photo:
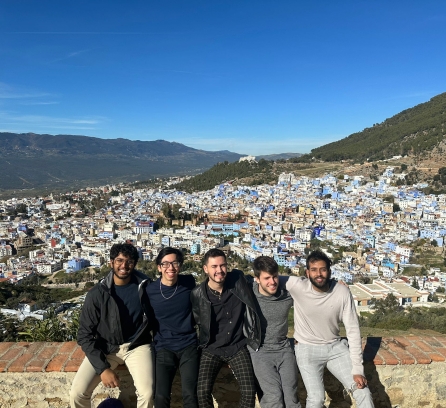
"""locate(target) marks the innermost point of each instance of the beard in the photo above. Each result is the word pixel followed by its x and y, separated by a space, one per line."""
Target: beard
pixel 123 275
pixel 323 285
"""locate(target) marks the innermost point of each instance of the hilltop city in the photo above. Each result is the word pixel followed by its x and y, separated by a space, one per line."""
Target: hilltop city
pixel 383 237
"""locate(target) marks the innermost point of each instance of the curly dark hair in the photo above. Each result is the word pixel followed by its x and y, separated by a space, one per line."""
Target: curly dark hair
pixel 124 249
pixel 318 255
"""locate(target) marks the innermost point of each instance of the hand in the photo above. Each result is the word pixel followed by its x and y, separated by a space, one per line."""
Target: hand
pixel 109 378
pixel 360 381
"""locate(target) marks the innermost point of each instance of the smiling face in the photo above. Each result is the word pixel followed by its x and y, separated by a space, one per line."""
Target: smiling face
pixel 123 267
pixel 268 283
pixel 319 275
pixel 216 270
pixel 169 268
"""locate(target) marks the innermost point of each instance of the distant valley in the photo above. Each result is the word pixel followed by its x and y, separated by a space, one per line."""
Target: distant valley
pixel 67 161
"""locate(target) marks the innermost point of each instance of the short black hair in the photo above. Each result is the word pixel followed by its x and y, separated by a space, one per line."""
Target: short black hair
pixel 213 253
pixel 265 264
pixel 124 249
pixel 167 251
pixel 318 255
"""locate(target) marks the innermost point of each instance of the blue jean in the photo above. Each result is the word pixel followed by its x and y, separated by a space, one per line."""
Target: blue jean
pixel 312 359
pixel 167 363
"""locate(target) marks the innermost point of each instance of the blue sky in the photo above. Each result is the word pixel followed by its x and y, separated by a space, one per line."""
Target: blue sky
pixel 253 77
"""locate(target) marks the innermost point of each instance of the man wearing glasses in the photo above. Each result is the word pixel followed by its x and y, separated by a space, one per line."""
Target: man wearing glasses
pixel 175 337
pixel 114 329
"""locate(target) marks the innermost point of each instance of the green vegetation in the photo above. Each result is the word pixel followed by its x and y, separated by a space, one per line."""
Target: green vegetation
pixel 260 173
pixel 28 291
pixel 412 131
pixel 53 328
pixel 388 314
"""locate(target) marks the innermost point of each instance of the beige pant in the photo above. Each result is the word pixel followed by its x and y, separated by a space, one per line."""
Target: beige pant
pixel 140 365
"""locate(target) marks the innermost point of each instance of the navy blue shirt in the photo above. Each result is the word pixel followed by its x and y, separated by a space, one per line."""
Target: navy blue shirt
pixel 174 326
pixel 130 310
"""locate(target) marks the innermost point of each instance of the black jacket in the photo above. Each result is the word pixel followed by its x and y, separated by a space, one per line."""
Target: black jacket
pixel 100 330
pixel 201 308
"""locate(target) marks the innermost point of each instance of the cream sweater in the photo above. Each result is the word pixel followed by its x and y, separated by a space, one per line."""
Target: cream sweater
pixel 317 316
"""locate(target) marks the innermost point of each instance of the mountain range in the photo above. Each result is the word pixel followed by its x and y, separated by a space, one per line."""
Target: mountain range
pixel 70 162
pixel 32 160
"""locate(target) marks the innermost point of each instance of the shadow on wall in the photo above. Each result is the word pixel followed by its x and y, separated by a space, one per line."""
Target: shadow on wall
pixel 335 389
pixel 226 392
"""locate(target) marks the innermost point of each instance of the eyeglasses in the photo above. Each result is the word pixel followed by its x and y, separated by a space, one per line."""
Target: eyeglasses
pixel 174 264
pixel 128 262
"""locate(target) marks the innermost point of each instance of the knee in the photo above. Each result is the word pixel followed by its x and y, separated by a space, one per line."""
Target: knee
pixel 77 395
pixel 315 400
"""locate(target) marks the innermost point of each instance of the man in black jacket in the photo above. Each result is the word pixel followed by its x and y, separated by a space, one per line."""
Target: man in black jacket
pixel 114 329
pixel 225 312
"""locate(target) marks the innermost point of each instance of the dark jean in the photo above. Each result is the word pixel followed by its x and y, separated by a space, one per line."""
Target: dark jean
pixel 167 363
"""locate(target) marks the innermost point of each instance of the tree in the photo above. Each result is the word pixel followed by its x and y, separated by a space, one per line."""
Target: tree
pixel 165 209
pixel 387 305
pixel 9 328
pixel 388 314
pixel 432 297
pixel 12 303
pixel 415 283
pixel 434 243
pixel 396 207
pixel 51 329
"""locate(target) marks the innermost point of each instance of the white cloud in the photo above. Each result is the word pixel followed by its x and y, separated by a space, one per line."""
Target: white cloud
pixel 68 56
pixel 26 123
pixel 9 92
pixel 39 103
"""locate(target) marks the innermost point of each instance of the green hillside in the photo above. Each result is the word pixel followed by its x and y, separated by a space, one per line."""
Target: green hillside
pixel 258 173
pixel 413 131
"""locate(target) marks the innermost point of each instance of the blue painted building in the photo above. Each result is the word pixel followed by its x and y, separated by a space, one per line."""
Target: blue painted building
pixel 76 264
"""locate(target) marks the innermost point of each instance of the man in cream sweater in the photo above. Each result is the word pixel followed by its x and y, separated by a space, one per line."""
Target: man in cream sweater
pixel 320 304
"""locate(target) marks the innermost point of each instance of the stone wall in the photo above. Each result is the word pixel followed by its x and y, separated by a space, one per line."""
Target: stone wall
pixel 403 372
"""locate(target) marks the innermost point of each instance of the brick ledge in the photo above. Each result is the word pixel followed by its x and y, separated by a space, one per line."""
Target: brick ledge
pixel 66 357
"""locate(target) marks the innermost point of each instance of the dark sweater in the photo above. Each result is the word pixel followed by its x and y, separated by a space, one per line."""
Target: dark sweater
pixel 174 326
